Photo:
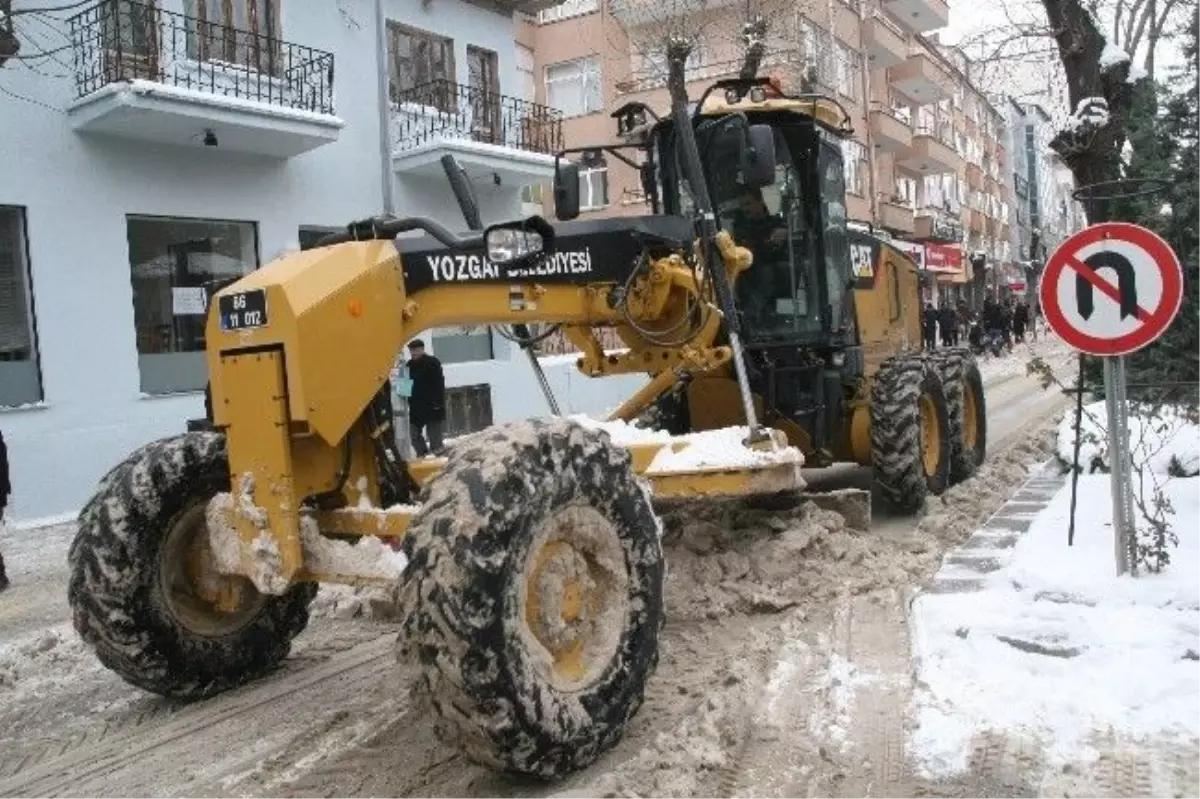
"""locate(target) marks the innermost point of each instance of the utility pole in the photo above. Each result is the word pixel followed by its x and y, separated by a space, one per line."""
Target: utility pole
pixel 387 178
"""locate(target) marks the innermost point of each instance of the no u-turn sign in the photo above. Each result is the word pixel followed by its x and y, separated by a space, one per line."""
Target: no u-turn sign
pixel 1111 289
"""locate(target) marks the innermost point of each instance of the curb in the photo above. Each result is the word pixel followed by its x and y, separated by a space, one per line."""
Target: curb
pixel 990 547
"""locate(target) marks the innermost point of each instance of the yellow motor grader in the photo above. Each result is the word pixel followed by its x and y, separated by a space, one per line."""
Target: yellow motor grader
pixel 532 587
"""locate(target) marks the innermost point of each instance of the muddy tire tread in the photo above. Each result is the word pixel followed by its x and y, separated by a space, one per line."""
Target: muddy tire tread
pixel 896 439
pixel 465 551
pixel 112 589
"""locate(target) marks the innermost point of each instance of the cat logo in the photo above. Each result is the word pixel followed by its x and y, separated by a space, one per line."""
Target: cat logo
pixel 861 260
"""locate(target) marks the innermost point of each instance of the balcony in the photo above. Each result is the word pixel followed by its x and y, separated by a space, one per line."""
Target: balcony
pixel 145 74
pixel 886 44
pixel 921 16
pixel 634 13
pixel 494 137
pixel 921 79
pixel 895 217
pixel 927 155
pixel 890 133
pixel 933 225
pixel 974 176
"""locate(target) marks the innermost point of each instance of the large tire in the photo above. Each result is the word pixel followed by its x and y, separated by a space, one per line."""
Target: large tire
pixel 966 411
pixel 128 591
pixel 910 443
pixel 526 519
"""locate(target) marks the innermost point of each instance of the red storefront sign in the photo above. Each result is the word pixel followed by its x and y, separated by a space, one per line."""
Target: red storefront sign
pixel 943 257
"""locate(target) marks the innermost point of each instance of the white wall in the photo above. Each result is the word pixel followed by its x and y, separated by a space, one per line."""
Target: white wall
pixel 77 191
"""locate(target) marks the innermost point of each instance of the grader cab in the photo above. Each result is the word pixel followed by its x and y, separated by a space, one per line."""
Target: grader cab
pixel 530 571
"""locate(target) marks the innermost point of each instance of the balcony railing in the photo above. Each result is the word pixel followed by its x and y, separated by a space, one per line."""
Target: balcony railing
pixel 656 77
pixel 122 40
pixel 442 109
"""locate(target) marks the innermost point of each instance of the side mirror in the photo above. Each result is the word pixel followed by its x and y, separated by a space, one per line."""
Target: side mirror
pixel 758 157
pixel 566 190
pixel 517 243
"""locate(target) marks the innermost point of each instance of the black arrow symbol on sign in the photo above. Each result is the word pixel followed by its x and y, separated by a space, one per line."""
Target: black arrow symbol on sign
pixel 1126 284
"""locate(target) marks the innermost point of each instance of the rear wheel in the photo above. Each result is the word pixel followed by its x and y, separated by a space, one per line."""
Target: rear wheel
pixel 910 441
pixel 533 597
pixel 143 588
pixel 966 412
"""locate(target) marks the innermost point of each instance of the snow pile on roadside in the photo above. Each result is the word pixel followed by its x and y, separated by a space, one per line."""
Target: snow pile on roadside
pixel 711 449
pixel 1057 647
pixel 1167 441
pixel 41 662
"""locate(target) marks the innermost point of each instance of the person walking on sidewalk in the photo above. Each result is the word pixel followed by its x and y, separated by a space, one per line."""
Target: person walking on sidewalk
pixel 5 491
pixel 427 405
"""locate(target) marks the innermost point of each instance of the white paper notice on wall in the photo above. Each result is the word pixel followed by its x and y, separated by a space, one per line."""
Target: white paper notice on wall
pixel 188 300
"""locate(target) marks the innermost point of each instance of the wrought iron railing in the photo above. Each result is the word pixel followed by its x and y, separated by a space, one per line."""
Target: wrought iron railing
pixel 124 40
pixel 656 77
pixel 442 109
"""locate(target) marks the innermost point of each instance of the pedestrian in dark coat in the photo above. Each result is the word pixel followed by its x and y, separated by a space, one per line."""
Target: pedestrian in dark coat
pixel 948 322
pixel 427 405
pixel 1020 321
pixel 5 491
pixel 929 326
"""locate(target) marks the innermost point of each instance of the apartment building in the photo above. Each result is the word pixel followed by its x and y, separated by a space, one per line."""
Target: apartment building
pixel 925 166
pixel 154 150
pixel 1042 186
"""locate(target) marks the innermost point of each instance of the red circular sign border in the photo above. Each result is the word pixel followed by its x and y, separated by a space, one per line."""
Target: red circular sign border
pixel 1172 279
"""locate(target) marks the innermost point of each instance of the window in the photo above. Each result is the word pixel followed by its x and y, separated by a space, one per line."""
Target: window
pixel 848 72
pixel 593 187
pixel 176 265
pixel 906 191
pixel 236 31
pixel 573 87
pixel 855 155
pixel 20 373
pixel 526 81
pixel 416 60
pixel 901 109
pixel 571 8
pixel 462 344
pixel 650 63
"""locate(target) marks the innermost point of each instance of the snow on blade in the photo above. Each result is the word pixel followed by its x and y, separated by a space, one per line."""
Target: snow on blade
pixel 707 450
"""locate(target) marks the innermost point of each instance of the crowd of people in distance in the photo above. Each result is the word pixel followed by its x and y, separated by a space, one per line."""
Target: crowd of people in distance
pixel 998 326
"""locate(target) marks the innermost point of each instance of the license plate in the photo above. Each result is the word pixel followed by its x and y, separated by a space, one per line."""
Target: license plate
pixel 244 310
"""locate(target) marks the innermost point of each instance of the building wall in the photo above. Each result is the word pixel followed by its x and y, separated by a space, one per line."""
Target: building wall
pixel 76 191
pixel 888 197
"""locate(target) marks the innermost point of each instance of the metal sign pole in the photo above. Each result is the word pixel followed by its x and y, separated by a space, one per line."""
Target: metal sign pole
pixel 1119 461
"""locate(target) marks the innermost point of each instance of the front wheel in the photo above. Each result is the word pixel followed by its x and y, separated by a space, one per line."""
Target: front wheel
pixel 533 597
pixel 144 591
pixel 910 438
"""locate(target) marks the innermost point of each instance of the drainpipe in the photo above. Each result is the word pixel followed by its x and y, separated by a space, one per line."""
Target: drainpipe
pixel 387 178
pixel 873 195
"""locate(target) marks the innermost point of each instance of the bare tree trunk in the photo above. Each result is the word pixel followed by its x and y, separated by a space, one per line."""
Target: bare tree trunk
pixel 1091 151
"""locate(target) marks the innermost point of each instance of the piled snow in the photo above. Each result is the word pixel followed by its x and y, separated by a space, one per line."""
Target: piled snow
pixel 1091 112
pixel 1165 443
pixel 1057 647
pixel 366 557
pixel 1112 56
pixel 708 450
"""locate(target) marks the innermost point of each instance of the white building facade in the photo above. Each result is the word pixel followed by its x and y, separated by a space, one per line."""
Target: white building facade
pixel 156 150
